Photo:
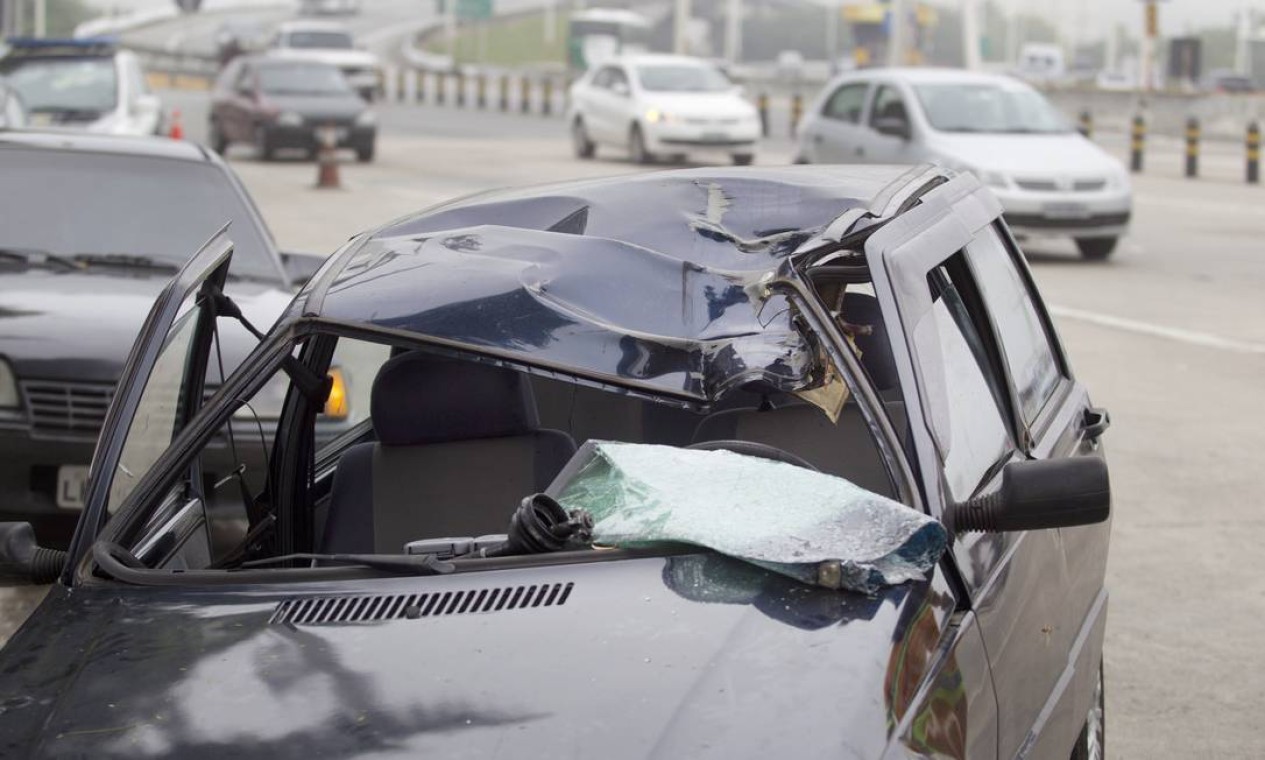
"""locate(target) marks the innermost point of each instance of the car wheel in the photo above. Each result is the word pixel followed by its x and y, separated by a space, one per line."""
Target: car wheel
pixel 743 159
pixel 580 141
pixel 1096 249
pixel 1092 743
pixel 364 154
pixel 637 147
pixel 219 143
pixel 263 145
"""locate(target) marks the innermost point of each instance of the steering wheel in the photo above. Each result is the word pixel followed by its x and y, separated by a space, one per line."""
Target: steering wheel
pixel 751 448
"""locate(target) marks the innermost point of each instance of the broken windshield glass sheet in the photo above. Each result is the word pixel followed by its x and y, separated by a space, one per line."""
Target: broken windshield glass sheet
pixel 814 527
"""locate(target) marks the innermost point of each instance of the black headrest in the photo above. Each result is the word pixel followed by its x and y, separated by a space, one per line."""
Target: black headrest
pixel 423 398
pixel 876 349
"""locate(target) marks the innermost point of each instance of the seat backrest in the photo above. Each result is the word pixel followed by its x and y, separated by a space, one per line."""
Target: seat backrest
pixel 458 448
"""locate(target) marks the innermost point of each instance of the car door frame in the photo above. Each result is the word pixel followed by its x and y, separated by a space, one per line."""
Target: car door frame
pixel 887 149
pixel 205 271
pixel 845 134
pixel 1015 624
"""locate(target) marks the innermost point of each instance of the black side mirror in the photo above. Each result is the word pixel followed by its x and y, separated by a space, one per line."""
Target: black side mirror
pixel 1039 494
pixel 299 267
pixel 893 126
pixel 24 561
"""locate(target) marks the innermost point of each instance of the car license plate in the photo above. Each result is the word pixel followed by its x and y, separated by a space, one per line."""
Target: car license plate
pixel 716 136
pixel 331 135
pixel 72 486
pixel 1066 210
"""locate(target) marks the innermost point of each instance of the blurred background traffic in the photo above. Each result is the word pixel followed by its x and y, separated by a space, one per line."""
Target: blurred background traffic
pixel 1122 137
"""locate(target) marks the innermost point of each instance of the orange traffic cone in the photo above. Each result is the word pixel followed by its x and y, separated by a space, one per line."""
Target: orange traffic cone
pixel 327 161
pixel 176 132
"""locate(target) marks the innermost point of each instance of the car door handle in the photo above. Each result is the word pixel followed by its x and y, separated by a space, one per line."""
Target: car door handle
pixel 1097 420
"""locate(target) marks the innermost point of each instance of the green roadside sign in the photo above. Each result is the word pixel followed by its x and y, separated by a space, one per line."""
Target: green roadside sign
pixel 474 10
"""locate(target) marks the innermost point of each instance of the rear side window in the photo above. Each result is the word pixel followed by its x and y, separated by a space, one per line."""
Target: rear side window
pixel 845 103
pixel 888 104
pixel 1026 346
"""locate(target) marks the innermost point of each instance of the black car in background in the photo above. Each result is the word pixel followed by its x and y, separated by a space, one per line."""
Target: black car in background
pixel 91 229
pixel 275 104
pixel 720 463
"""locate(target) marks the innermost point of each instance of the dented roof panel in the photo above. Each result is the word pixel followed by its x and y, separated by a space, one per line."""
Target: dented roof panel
pixel 651 279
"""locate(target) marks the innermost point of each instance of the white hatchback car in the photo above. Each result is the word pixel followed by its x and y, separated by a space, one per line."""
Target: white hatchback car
pixel 332 43
pixel 662 105
pixel 1050 179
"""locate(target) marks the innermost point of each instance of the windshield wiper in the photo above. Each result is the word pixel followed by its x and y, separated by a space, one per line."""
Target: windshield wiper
pixel 129 260
pixel 36 257
pixel 405 564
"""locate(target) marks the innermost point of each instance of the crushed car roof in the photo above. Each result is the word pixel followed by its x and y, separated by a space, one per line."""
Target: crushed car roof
pixel 650 280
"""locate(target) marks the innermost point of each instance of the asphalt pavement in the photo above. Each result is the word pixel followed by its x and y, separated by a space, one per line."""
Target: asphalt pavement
pixel 1169 335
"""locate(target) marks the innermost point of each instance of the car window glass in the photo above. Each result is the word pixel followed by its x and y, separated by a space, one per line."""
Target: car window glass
pixel 978 437
pixel 602 78
pixel 888 104
pixel 618 77
pixel 228 77
pixel 156 421
pixel 845 103
pixel 61 85
pixel 1024 341
pixel 245 79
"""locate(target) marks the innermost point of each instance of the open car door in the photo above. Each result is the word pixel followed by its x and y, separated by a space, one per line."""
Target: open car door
pixel 160 390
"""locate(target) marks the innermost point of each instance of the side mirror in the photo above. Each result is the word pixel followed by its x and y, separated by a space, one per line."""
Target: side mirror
pixel 620 89
pixel 1039 494
pixel 24 561
pixel 893 126
pixel 299 267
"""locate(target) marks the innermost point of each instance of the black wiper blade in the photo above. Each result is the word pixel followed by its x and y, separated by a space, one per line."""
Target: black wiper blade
pixel 36 257
pixel 130 260
pixel 405 564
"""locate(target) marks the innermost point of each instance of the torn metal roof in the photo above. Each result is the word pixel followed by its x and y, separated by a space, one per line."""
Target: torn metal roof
pixel 647 279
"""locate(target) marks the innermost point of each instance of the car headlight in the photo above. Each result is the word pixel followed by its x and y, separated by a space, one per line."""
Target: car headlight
pixel 655 116
pixel 289 119
pixel 9 398
pixel 366 118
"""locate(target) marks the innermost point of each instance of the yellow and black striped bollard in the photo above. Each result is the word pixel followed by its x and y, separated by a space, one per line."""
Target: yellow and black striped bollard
pixel 1137 144
pixel 1192 147
pixel 1086 124
pixel 481 90
pixel 797 111
pixel 505 92
pixel 1253 153
pixel 546 97
pixel 440 93
pixel 461 89
pixel 524 94
pixel 762 106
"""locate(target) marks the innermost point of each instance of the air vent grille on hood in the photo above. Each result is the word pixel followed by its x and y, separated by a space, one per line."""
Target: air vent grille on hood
pixel 368 609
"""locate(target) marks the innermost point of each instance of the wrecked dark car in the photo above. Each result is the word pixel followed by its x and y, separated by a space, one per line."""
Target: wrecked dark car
pixel 711 463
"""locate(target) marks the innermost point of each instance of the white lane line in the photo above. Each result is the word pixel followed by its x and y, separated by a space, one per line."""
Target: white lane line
pixel 1192 337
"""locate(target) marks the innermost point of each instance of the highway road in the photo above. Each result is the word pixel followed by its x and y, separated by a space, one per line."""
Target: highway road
pixel 1169 335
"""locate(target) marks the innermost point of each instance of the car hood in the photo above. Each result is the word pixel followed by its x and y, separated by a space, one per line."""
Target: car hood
pixel 694 105
pixel 689 656
pixel 332 56
pixel 80 326
pixel 1025 154
pixel 335 106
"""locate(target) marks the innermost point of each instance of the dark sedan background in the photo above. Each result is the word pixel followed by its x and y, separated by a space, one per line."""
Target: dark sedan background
pixel 275 104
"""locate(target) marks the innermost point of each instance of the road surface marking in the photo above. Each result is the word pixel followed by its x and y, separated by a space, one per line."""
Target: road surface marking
pixel 1192 337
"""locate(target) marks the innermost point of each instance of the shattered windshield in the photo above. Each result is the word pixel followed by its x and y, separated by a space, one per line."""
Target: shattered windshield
pixel 811 526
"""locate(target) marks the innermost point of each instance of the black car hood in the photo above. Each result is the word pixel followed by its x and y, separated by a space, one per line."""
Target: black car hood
pixel 340 107
pixel 692 656
pixel 59 325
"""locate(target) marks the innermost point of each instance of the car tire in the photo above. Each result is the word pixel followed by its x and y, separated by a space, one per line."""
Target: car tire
pixel 216 138
pixel 637 147
pixel 1096 249
pixel 743 159
pixel 364 154
pixel 263 145
pixel 580 141
pixel 1092 743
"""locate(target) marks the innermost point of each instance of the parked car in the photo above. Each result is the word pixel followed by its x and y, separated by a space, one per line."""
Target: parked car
pixel 82 84
pixel 658 464
pixel 1228 81
pixel 276 104
pixel 1050 179
pixel 662 105
pixel 329 7
pixel 12 111
pixel 91 228
pixel 331 43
